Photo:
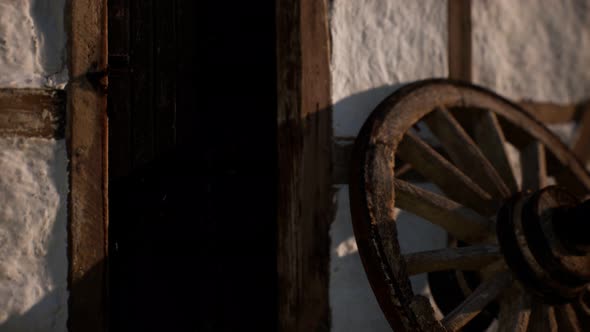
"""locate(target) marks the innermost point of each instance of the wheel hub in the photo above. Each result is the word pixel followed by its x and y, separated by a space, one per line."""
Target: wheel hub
pixel 543 237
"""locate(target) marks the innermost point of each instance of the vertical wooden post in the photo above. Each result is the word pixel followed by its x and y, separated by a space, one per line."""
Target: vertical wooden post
pixel 459 40
pixel 304 149
pixel 86 136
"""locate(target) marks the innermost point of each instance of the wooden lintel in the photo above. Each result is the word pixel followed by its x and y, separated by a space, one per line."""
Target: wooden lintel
pixel 32 113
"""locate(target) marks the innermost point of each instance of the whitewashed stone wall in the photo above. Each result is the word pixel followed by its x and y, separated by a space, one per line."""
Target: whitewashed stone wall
pixel 528 49
pixel 33 176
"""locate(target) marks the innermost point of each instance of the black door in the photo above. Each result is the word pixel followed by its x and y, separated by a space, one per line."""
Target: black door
pixel 192 126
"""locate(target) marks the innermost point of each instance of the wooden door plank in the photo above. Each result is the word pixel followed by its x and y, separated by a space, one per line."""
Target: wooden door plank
pixel 142 82
pixel 165 62
pixel 119 103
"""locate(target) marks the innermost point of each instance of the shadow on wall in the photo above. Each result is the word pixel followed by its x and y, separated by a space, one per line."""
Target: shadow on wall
pixel 38 319
pixel 350 113
pixel 352 301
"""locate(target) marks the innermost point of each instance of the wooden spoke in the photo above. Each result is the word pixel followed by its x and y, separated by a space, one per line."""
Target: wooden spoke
pixel 583 314
pixel 567 319
pixel 444 174
pixel 464 153
pixel 490 139
pixel 581 145
pixel 515 311
pixel 461 222
pixel 542 318
pixel 533 166
pixel 477 301
pixel 464 258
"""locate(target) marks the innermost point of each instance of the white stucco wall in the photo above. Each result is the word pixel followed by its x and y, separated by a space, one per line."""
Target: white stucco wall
pixel 33 176
pixel 533 49
pixel 378 45
pixel 32 43
pixel 522 49
pixel 33 237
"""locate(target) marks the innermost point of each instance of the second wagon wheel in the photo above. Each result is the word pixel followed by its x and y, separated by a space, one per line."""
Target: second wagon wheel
pixel 524 238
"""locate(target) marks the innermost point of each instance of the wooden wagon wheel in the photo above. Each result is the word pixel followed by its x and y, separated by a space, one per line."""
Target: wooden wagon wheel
pixel 527 241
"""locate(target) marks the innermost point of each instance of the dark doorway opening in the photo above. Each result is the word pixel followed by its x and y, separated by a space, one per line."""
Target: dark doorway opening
pixel 192 163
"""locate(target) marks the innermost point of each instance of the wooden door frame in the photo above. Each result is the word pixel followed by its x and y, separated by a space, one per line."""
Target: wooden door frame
pixel 305 205
pixel 86 136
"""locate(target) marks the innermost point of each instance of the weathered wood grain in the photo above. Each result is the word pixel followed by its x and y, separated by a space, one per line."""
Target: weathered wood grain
pixel 452 181
pixel 542 318
pixel 566 318
pixel 142 28
pixel 533 166
pixel 550 113
pixel 32 113
pixel 461 222
pixel 165 63
pixel 459 42
pixel 491 141
pixel 546 112
pixel 86 136
pixel 464 258
pixel 485 293
pixel 465 153
pixel 515 310
pixel 304 151
pixel 120 89
pixel 581 145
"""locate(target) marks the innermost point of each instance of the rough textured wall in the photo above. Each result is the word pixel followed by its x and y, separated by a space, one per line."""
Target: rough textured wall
pixel 32 43
pixel 377 46
pixel 33 176
pixel 33 237
pixel 533 49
